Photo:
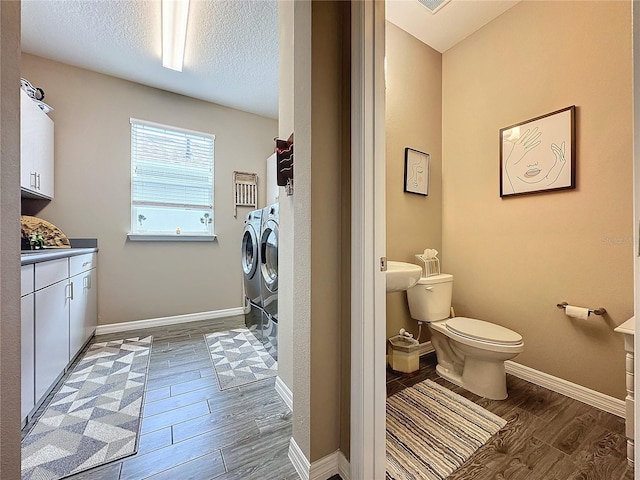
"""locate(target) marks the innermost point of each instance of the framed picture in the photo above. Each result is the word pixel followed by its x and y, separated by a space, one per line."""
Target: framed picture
pixel 416 171
pixel 539 155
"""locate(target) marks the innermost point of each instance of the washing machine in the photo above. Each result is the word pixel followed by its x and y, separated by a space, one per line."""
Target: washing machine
pixel 269 277
pixel 250 256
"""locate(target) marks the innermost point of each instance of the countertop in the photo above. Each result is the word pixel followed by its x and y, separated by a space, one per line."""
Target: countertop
pixel 28 257
pixel 628 327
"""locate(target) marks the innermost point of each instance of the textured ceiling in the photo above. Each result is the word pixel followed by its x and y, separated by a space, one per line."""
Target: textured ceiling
pixel 231 55
pixel 451 24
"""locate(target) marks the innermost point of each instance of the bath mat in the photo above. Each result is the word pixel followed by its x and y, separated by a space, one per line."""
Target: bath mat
pixel 432 431
pixel 95 416
pixel 239 358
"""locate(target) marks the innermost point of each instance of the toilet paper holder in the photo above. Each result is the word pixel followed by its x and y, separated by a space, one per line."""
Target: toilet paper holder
pixel 597 311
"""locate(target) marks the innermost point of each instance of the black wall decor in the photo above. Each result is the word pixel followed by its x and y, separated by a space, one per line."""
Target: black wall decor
pixel 284 156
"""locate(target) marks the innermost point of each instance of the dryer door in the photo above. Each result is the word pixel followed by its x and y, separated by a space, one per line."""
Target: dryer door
pixel 249 252
pixel 269 251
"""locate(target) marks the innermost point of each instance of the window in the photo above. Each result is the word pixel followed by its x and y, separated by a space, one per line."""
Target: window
pixel 171 182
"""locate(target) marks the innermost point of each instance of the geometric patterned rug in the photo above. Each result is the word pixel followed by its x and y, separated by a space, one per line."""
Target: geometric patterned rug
pixel 239 358
pixel 95 416
pixel 432 431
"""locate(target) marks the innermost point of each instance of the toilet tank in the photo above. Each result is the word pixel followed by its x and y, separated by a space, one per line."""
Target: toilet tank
pixel 430 298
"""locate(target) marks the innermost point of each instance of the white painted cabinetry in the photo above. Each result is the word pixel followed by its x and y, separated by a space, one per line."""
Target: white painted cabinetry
pixel 27 342
pixel 36 150
pixel 628 328
pixel 83 312
pixel 59 315
pixel 53 295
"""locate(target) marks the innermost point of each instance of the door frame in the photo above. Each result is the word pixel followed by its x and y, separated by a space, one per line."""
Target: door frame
pixel 635 13
pixel 368 241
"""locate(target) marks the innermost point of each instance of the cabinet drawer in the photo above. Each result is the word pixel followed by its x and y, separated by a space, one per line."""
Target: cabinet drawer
pixel 26 280
pixel 82 263
pixel 48 273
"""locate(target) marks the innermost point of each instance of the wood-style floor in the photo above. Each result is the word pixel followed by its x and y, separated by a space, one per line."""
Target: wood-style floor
pixel 192 430
pixel 548 436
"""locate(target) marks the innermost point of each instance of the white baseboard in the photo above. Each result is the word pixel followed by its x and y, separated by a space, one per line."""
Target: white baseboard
pixel 285 394
pixel 344 467
pixel 326 467
pixel 299 460
pixel 564 387
pixel 163 321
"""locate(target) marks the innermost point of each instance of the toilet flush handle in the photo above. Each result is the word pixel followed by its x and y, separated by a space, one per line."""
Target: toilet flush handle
pixel 429 288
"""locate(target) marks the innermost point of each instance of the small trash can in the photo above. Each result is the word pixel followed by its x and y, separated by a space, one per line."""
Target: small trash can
pixel 403 354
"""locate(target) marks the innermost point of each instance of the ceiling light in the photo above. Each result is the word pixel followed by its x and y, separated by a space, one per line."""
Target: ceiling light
pixel 434 5
pixel 174 32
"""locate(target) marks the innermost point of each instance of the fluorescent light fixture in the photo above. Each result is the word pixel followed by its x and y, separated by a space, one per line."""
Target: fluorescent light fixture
pixel 174 32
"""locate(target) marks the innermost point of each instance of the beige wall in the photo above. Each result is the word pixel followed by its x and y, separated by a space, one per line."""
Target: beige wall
pixel 413 119
pixel 141 280
pixel 9 240
pixel 311 222
pixel 514 259
pixel 326 234
pixel 285 233
pixel 345 235
pixel 298 225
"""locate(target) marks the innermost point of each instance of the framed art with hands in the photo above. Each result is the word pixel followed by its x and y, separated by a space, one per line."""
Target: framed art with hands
pixel 539 155
pixel 416 171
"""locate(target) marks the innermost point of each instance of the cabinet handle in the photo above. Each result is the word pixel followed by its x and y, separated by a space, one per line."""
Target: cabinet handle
pixel 87 282
pixel 38 177
pixel 84 264
pixel 69 293
pixel 34 182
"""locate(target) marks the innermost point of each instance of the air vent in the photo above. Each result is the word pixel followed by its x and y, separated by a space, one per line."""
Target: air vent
pixel 434 5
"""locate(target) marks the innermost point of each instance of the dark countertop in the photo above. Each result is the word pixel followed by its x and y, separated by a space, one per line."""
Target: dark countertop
pixel 28 257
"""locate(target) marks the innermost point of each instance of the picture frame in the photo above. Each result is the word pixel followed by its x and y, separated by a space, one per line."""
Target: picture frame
pixel 416 171
pixel 539 155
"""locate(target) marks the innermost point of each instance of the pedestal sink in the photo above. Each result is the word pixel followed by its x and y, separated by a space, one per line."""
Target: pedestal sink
pixel 402 275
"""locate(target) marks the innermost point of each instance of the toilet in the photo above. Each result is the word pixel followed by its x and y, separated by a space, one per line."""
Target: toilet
pixel 471 353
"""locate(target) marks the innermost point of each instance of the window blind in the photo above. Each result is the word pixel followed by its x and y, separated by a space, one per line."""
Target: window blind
pixel 171 180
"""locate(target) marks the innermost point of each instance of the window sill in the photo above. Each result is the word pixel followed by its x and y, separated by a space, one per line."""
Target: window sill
pixel 170 238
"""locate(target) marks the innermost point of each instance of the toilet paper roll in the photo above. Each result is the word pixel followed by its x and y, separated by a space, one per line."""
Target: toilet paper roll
pixel 580 313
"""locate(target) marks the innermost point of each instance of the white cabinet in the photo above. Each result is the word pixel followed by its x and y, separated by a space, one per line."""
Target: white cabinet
pixel 59 315
pixel 27 373
pixel 83 311
pixel 628 328
pixel 51 323
pixel 27 343
pixel 36 150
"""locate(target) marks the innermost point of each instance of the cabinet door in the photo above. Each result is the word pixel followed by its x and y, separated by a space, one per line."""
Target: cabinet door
pixel 83 311
pixel 52 334
pixel 43 160
pixel 36 144
pixel 27 143
pixel 27 357
pixel 91 318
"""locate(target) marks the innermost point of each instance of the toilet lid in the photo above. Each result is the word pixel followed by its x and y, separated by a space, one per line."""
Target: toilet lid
pixel 484 331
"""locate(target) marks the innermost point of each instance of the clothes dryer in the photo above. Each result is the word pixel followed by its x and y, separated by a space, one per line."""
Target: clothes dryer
pixel 269 259
pixel 269 277
pixel 250 257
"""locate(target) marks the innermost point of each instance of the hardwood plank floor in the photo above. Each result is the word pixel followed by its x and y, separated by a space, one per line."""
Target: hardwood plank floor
pixel 190 428
pixel 548 436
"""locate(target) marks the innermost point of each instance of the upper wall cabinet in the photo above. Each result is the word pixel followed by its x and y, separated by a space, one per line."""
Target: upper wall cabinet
pixel 36 150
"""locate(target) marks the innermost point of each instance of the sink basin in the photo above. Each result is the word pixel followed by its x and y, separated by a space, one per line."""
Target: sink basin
pixel 402 275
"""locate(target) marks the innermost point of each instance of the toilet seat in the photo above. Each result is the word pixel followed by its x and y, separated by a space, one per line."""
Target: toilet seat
pixel 481 331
